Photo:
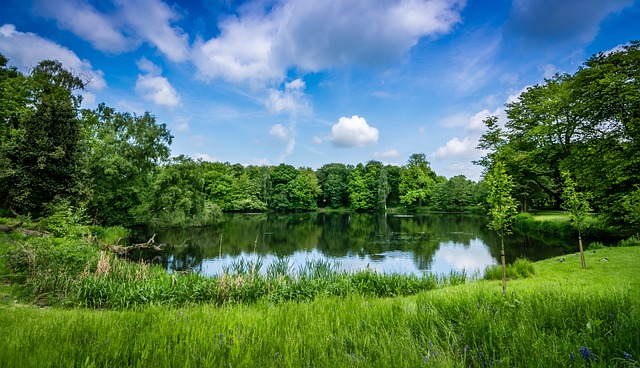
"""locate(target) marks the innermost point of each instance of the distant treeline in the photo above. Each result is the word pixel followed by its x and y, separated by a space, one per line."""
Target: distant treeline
pixel 114 168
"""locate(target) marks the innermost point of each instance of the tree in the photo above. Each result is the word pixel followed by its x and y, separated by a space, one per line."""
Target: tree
pixel 42 155
pixel 502 208
pixel 123 151
pixel 417 181
pixel 361 199
pixel 577 205
pixel 333 181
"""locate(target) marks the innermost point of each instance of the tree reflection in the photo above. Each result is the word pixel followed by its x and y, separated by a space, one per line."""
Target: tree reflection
pixel 336 236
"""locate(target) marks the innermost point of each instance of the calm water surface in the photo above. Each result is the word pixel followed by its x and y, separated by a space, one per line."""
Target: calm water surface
pixel 386 243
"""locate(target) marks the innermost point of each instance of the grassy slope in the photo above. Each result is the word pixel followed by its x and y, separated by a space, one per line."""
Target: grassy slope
pixel 540 322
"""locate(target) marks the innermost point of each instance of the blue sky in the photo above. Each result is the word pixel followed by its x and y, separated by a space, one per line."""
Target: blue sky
pixel 310 82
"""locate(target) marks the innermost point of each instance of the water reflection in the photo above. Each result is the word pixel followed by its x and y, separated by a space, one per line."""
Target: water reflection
pixel 385 243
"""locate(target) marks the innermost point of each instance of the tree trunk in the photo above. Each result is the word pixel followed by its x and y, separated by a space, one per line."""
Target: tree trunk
pixel 504 268
pixel 584 264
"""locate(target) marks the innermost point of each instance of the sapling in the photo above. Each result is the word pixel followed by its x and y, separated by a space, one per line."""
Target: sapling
pixel 577 205
pixel 502 208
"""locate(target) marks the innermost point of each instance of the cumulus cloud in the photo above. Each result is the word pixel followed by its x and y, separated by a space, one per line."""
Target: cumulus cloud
pixel 315 35
pixel 24 50
pixel 457 148
pixel 353 132
pixel 387 154
pixel 154 87
pixel 559 21
pixel 124 28
pixel 279 132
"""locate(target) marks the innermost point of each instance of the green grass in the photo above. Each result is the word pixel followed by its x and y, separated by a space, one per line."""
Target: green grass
pixel 540 322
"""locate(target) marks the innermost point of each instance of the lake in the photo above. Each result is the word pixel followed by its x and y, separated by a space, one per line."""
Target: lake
pixel 404 244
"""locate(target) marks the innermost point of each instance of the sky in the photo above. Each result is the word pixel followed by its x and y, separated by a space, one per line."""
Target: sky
pixel 312 82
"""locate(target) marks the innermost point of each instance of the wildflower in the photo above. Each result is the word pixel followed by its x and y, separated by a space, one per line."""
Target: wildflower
pixel 571 356
pixel 612 315
pixel 627 356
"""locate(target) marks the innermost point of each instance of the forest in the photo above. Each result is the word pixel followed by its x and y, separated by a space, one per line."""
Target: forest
pixel 115 168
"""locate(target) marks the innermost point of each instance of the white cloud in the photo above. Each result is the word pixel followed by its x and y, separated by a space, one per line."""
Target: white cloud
pixel 387 154
pixel 515 97
pixel 259 45
pixel 125 28
pixel 457 148
pixel 353 132
pixel 86 22
pixel 279 132
pixel 291 100
pixel 157 90
pixel 25 50
pixel 154 87
pixel 204 157
pixel 151 20
pixel 147 66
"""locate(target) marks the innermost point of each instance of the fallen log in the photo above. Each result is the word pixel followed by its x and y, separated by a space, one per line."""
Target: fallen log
pixel 9 228
pixel 123 251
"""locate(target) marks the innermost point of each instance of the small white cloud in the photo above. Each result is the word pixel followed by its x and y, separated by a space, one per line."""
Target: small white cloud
pixel 148 67
pixel 353 132
pixel 290 100
pixel 279 132
pixel 457 148
pixel 516 96
pixel 387 154
pixel 157 90
pixel 617 48
pixel 204 157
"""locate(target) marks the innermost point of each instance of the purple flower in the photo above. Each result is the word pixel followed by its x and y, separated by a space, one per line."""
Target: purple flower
pixel 627 356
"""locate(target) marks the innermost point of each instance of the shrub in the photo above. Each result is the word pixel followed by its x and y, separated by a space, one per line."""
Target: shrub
pixel 521 268
pixel 632 241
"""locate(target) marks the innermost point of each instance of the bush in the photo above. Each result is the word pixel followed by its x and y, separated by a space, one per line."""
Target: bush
pixel 521 268
pixel 632 241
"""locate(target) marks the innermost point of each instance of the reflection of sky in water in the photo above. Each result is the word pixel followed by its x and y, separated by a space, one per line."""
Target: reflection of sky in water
pixel 450 256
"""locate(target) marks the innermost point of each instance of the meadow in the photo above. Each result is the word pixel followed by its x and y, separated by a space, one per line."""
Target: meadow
pixel 559 316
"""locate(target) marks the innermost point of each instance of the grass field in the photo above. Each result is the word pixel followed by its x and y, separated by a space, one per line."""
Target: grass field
pixel 561 316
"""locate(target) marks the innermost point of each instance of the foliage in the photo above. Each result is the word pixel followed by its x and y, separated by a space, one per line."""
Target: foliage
pixel 417 181
pixel 124 150
pixel 585 123
pixel 41 149
pixel 575 202
pixel 502 206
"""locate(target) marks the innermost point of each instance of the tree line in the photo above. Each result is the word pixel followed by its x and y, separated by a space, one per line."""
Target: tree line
pixel 115 167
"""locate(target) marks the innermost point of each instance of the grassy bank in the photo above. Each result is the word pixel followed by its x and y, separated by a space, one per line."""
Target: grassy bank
pixel 562 316
pixel 554 226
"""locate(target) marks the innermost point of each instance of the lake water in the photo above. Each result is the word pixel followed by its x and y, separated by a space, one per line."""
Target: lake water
pixel 386 243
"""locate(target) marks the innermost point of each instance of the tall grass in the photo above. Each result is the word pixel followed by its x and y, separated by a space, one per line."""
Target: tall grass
pixel 467 326
pixel 75 272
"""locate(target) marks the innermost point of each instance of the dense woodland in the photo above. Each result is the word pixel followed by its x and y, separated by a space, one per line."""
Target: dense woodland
pixel 115 167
